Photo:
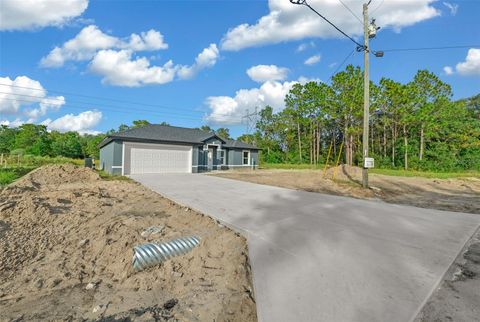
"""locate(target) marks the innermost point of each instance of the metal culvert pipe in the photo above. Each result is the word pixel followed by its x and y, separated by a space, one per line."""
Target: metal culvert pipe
pixel 152 254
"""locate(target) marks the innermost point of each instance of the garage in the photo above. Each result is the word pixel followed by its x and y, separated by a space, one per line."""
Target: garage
pixel 157 158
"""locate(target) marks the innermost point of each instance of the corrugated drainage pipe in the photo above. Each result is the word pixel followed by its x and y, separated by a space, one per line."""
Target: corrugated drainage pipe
pixel 151 254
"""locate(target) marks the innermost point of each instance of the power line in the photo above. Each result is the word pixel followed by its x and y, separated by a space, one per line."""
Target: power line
pixel 429 48
pixel 343 62
pixel 353 13
pixel 95 97
pixel 50 99
pixel 378 7
pixel 304 2
pixel 106 109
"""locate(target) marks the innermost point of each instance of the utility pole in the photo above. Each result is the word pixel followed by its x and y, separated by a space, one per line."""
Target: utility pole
pixel 366 95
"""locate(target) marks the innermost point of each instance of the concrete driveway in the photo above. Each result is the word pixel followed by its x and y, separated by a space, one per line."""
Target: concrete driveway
pixel 318 257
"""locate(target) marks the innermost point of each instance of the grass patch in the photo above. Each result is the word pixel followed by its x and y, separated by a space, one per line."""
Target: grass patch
pixel 426 174
pixel 8 175
pixel 291 166
pixel 107 176
pixel 387 172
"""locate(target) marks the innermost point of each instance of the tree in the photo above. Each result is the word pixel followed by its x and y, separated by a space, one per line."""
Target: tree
pixel 206 128
pixel 223 132
pixel 140 123
pixel 66 144
pixel 7 138
pixel 33 139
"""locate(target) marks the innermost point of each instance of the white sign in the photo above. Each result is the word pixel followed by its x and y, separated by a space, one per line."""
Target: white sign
pixel 369 163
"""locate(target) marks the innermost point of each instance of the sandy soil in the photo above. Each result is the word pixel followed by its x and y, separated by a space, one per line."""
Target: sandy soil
pixel 460 195
pixel 66 239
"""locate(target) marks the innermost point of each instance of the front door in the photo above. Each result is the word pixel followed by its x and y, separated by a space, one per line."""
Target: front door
pixel 210 158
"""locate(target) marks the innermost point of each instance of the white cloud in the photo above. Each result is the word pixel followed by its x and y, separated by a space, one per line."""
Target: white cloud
pixel 118 68
pixel 263 73
pixel 448 70
pixel 230 110
pixel 29 14
pixel 90 40
pixel 304 46
pixel 312 60
pixel 83 122
pixel 27 97
pixel 471 65
pixel 121 69
pixel 15 123
pixel 453 7
pixel 286 21
pixel 207 58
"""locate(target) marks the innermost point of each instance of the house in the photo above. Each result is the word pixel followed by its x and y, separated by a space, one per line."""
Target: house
pixel 169 149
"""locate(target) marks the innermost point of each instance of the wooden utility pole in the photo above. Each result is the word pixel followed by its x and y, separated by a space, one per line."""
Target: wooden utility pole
pixel 366 95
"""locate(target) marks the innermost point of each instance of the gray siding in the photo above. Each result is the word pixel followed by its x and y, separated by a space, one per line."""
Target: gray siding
pixel 111 157
pixel 235 158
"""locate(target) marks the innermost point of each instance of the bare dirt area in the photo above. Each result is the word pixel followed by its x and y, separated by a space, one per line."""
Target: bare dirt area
pixel 462 194
pixel 66 239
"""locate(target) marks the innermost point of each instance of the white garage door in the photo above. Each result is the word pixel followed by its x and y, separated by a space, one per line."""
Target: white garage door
pixel 159 158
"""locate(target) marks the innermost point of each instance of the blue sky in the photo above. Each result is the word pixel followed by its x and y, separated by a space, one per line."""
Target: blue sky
pixel 211 44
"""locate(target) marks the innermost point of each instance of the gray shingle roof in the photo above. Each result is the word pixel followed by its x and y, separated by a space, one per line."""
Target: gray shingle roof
pixel 167 133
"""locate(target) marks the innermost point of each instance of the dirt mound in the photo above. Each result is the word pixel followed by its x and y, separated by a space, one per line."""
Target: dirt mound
pixel 56 174
pixel 66 240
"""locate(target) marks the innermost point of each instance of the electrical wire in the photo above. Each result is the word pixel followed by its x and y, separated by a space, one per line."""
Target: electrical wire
pixel 331 23
pixel 343 62
pixel 50 99
pixel 378 7
pixel 353 13
pixel 69 106
pixel 429 48
pixel 96 97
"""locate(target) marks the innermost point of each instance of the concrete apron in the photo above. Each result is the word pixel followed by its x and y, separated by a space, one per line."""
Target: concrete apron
pixel 319 257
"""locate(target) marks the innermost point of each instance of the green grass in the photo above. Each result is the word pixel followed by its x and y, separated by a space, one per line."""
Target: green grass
pixel 388 172
pixel 426 174
pixel 107 176
pixel 8 175
pixel 290 166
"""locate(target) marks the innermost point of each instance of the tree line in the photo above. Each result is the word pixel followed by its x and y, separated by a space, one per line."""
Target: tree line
pixel 415 125
pixel 36 140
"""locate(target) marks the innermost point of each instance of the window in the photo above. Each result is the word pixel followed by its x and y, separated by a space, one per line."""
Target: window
pixel 222 156
pixel 246 157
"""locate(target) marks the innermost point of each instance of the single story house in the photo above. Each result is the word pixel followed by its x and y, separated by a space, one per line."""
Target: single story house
pixel 169 149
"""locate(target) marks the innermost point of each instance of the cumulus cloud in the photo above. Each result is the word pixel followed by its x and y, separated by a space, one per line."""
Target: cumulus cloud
pixel 207 58
pixel 29 14
pixel 471 65
pixel 263 73
pixel 312 60
pixel 453 7
pixel 286 21
pixel 83 122
pixel 230 109
pixel 26 97
pixel 119 68
pixel 91 39
pixel 448 70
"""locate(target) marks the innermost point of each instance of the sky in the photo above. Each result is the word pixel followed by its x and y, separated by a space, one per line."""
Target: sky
pixel 89 66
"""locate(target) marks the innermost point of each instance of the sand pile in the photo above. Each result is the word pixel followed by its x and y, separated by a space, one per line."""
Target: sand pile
pixel 66 239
